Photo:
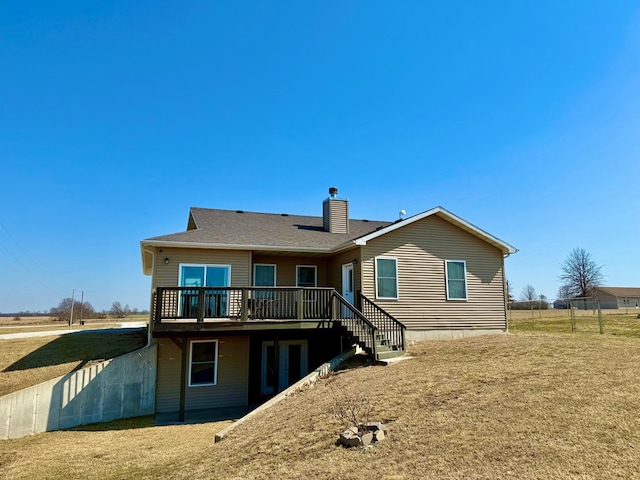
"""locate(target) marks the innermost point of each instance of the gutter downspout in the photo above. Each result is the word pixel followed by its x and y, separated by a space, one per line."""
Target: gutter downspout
pixel 505 291
pixel 153 271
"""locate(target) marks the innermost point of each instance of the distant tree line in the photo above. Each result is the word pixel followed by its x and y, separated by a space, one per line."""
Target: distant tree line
pixel 579 275
pixel 84 310
pixel 530 299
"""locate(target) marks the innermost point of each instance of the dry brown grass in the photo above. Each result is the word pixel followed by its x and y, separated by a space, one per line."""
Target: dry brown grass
pixel 10 321
pixel 118 450
pixel 28 361
pixel 518 406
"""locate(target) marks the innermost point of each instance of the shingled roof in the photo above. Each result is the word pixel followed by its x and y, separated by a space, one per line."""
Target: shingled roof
pixel 214 228
pixel 621 292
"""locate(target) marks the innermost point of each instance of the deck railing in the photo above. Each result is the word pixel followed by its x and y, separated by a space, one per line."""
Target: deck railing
pixel 361 329
pixel 245 303
pixel 368 327
pixel 390 328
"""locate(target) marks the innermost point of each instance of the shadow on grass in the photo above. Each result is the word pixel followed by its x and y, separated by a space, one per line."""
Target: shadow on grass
pixel 83 347
pixel 358 361
pixel 123 424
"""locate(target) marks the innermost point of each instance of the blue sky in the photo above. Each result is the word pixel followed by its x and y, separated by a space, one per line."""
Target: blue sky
pixel 116 117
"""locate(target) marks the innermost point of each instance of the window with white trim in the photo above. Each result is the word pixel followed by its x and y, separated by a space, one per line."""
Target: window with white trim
pixel 264 275
pixel 386 278
pixel 194 276
pixel 306 276
pixel 456 279
pixel 203 363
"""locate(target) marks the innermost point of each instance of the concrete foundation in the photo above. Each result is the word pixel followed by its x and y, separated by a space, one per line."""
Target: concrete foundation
pixel 122 387
pixel 417 335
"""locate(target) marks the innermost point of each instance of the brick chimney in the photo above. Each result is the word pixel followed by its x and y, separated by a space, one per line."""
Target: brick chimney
pixel 335 213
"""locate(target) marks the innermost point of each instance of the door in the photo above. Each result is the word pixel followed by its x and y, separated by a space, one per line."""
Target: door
pixel 347 287
pixel 196 276
pixel 291 364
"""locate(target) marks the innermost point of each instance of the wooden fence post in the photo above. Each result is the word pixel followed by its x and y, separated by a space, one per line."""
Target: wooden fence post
pixel 600 322
pixel 573 319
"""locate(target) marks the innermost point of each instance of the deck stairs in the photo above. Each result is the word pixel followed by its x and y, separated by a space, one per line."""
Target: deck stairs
pixel 372 328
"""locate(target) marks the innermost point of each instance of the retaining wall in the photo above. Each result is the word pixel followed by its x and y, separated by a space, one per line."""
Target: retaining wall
pixel 122 387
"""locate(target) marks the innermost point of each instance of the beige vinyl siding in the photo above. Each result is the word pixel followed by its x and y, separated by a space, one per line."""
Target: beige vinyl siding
pixel 334 269
pixel 609 300
pixel 286 268
pixel 335 213
pixel 233 377
pixel 421 249
pixel 166 275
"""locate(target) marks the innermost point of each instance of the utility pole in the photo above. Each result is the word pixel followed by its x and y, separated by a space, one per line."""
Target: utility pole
pixel 81 305
pixel 73 293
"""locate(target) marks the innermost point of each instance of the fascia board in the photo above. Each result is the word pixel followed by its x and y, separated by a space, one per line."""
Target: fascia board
pixel 226 246
pixel 146 269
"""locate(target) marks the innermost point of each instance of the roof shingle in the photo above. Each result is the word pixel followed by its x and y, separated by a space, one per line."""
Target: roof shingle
pixel 236 228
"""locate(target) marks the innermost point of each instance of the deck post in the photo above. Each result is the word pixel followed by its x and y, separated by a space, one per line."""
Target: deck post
pixel 200 312
pixel 157 302
pixel 183 344
pixel 300 304
pixel 183 380
pixel 332 307
pixel 276 364
pixel 244 305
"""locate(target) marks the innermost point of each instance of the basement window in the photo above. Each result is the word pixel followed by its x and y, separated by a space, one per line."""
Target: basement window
pixel 456 279
pixel 203 363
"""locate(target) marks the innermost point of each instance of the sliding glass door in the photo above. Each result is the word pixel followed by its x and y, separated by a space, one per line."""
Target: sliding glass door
pixel 216 302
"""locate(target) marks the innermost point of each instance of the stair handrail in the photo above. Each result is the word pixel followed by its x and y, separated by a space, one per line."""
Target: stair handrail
pixel 388 324
pixel 358 316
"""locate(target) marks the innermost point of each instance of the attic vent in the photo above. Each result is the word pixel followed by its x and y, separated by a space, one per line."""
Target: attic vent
pixel 285 214
pixel 239 211
pixel 365 221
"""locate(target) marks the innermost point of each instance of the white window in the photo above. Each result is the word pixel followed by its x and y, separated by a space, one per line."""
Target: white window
pixel 456 279
pixel 386 278
pixel 193 275
pixel 306 276
pixel 264 275
pixel 203 363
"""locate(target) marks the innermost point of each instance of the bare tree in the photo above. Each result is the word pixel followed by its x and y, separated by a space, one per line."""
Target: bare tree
pixel 528 294
pixel 580 273
pixel 118 311
pixel 63 311
pixel 563 293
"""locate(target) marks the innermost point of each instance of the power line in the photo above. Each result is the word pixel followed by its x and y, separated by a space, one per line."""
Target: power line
pixel 27 269
pixel 2 227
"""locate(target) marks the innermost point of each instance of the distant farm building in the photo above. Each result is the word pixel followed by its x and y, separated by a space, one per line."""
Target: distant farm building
pixel 606 297
pixel 617 297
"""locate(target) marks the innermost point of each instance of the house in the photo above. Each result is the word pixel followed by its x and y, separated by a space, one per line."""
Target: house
pixel 244 304
pixel 617 297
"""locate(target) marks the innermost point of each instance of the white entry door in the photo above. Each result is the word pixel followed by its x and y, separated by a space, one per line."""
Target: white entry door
pixel 292 364
pixel 347 286
pixel 347 282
